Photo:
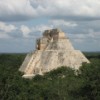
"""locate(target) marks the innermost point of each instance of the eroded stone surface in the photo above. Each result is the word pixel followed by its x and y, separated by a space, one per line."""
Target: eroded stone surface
pixel 53 50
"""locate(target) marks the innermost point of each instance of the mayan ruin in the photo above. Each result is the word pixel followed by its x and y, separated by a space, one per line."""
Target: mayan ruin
pixel 53 50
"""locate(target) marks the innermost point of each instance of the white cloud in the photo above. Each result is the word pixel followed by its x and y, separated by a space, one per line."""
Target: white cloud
pixel 25 30
pixel 27 9
pixel 63 22
pixel 41 28
pixel 85 8
pixel 4 35
pixel 93 34
pixel 52 24
pixel 7 28
pixel 16 10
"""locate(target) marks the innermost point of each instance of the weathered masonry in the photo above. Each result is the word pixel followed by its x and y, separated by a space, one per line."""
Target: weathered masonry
pixel 53 50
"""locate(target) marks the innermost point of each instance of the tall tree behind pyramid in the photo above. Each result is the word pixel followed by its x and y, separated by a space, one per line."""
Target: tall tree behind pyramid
pixel 53 50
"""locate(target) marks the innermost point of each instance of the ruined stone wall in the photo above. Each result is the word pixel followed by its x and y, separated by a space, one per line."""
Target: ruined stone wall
pixel 54 34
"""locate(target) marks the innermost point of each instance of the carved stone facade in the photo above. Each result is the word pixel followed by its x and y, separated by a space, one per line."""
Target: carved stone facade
pixel 53 50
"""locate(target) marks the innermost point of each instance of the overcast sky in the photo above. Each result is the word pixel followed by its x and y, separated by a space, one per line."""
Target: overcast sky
pixel 22 21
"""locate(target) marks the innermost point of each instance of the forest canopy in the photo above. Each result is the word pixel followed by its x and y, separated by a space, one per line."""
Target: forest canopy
pixel 60 84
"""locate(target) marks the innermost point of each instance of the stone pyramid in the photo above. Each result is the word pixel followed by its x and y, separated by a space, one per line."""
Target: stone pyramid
pixel 53 50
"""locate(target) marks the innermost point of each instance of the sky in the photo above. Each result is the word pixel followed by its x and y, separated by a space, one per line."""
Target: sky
pixel 22 21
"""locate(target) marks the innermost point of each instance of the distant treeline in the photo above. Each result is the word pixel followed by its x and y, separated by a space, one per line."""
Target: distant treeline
pixel 90 55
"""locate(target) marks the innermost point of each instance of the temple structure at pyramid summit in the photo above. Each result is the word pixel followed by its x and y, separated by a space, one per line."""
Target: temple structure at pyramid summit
pixel 53 50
